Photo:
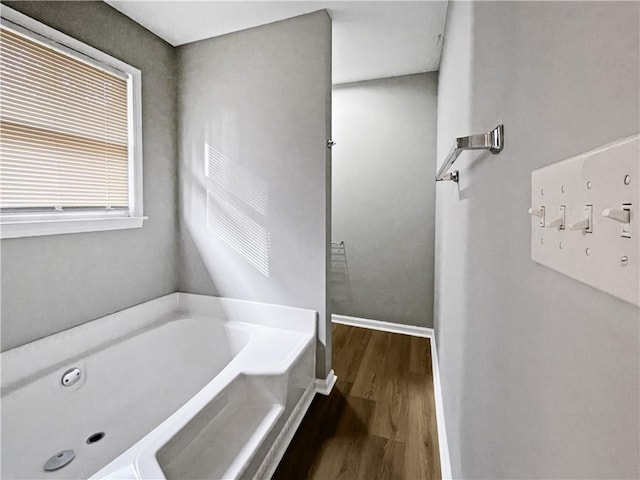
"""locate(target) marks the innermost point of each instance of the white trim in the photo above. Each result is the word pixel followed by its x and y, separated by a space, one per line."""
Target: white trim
pixel 57 40
pixel 281 443
pixel 33 229
pixel 134 94
pixel 383 326
pixel 443 444
pixel 325 385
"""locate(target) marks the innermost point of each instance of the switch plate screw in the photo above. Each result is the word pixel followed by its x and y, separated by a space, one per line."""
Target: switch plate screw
pixel 589 185
pixel 627 179
pixel 624 261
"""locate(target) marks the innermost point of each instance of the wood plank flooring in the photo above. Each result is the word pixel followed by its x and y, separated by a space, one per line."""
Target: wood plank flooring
pixel 379 421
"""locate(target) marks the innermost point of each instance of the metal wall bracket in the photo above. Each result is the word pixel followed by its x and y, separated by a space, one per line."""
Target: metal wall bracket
pixel 492 141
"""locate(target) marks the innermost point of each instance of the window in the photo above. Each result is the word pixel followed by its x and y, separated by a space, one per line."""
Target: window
pixel 70 152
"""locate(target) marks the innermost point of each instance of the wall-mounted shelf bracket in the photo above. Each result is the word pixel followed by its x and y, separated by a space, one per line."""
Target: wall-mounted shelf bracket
pixel 492 141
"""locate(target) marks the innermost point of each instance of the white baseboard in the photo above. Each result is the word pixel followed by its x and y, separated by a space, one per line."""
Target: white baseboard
pixel 383 326
pixel 443 444
pixel 280 445
pixel 324 386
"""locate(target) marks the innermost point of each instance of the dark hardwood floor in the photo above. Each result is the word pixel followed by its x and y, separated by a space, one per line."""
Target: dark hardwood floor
pixel 379 421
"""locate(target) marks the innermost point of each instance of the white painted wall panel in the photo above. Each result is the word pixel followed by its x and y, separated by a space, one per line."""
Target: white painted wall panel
pixel 384 197
pixel 254 117
pixel 539 371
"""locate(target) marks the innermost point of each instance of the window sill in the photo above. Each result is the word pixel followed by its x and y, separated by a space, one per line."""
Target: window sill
pixel 57 227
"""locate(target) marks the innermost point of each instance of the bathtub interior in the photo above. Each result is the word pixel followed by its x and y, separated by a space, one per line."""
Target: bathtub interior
pixel 124 391
pixel 231 436
pixel 241 414
pixel 140 368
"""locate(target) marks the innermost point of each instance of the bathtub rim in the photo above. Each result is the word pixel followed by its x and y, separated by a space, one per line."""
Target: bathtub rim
pixel 30 361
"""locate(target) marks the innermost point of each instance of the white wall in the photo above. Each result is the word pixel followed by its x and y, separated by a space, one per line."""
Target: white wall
pixel 257 230
pixel 384 197
pixel 540 372
pixel 56 282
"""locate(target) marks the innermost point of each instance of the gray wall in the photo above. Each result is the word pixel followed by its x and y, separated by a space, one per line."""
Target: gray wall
pixel 52 283
pixel 256 228
pixel 540 372
pixel 384 198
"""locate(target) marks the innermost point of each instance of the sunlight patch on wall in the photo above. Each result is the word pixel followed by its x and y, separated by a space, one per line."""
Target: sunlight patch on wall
pixel 239 232
pixel 236 179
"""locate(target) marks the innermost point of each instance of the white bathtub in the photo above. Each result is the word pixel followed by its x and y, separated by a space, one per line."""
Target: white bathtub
pixel 184 387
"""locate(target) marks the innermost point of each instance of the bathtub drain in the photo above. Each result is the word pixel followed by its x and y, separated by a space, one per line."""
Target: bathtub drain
pixel 59 460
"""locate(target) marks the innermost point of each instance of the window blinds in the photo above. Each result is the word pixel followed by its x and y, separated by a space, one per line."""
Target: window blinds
pixel 63 130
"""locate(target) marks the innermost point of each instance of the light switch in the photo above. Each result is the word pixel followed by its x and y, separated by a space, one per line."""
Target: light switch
pixel 622 215
pixel 539 213
pixel 558 222
pixel 599 244
pixel 626 227
pixel 585 222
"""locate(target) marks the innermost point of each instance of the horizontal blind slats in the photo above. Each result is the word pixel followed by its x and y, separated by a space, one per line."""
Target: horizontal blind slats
pixel 37 75
pixel 71 142
pixel 64 129
pixel 29 108
pixel 32 49
pixel 63 93
pixel 57 75
pixel 97 175
pixel 46 96
pixel 27 146
pixel 40 159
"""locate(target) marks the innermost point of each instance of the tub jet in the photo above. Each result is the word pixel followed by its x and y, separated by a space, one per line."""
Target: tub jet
pixel 70 377
pixel 96 437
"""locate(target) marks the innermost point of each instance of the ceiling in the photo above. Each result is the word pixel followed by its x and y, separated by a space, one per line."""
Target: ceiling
pixel 371 39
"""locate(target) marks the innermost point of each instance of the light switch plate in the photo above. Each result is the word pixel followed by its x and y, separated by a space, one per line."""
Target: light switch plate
pixel 607 177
